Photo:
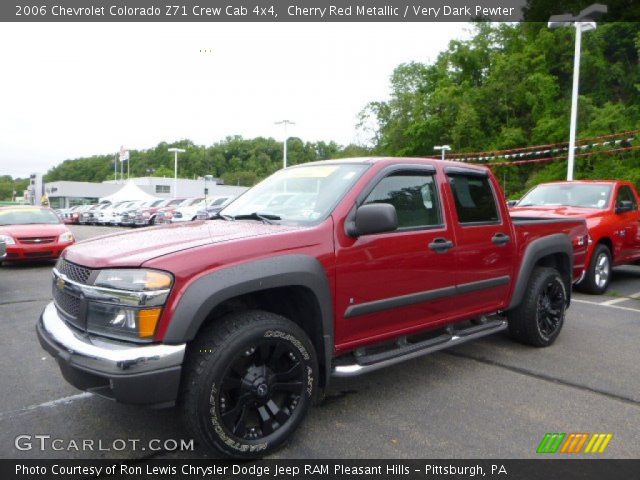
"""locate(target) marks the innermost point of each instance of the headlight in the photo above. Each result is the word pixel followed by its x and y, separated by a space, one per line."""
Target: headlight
pixel 130 305
pixel 66 237
pixel 136 280
pixel 7 239
pixel 122 322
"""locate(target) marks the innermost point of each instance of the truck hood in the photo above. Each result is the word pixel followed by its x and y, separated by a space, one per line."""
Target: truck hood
pixel 556 211
pixel 133 248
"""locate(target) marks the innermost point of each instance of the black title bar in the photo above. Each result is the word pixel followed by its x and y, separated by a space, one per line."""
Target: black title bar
pixel 259 10
pixel 321 469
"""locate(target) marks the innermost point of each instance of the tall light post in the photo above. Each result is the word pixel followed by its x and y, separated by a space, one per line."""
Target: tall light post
pixel 206 190
pixel 285 123
pixel 443 149
pixel 175 174
pixel 583 22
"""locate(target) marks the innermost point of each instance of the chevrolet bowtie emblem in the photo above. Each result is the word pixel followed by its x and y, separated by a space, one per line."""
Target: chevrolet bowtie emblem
pixel 60 283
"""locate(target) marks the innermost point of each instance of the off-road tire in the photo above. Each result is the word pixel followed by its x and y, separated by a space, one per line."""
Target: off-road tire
pixel 531 322
pixel 218 373
pixel 592 282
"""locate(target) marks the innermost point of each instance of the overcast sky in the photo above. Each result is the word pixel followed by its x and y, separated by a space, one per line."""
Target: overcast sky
pixel 71 90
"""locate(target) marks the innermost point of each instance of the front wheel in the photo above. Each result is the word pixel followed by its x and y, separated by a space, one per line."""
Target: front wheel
pixel 598 276
pixel 539 318
pixel 249 381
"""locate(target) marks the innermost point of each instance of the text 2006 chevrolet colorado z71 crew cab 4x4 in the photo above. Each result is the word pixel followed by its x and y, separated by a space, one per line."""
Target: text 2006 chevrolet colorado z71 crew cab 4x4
pixel 327 269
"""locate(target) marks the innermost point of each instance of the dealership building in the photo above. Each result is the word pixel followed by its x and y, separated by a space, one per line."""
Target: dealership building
pixel 65 194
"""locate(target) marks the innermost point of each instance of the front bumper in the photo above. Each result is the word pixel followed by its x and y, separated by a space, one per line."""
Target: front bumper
pixel 122 371
pixel 43 251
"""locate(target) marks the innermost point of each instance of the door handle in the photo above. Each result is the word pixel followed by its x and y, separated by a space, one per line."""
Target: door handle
pixel 440 245
pixel 500 239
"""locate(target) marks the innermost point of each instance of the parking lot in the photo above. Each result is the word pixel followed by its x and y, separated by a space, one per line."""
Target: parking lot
pixel 490 399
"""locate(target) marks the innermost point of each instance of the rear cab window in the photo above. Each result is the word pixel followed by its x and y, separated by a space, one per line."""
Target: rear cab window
pixel 474 198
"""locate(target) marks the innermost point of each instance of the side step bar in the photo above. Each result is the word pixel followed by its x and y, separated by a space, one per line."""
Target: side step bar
pixel 369 363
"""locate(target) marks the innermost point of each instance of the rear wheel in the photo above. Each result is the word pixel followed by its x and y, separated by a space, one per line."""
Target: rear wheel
pixel 539 318
pixel 598 276
pixel 249 381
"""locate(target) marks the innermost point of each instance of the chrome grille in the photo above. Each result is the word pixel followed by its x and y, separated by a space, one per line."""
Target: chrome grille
pixel 67 303
pixel 36 240
pixel 73 272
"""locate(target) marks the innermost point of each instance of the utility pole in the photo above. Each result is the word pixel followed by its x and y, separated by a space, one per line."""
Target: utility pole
pixel 583 22
pixel 175 172
pixel 443 149
pixel 285 123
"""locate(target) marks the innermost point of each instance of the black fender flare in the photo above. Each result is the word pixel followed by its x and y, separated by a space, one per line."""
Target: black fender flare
pixel 210 290
pixel 537 249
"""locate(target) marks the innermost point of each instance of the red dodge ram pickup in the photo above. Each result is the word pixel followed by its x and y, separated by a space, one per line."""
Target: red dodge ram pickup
pixel 610 208
pixel 242 321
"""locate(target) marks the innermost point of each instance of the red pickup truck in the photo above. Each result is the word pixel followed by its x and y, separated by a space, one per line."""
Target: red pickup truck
pixel 242 321
pixel 611 211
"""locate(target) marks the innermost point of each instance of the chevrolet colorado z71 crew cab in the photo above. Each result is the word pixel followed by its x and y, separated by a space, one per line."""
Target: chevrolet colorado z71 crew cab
pixel 243 320
pixel 610 208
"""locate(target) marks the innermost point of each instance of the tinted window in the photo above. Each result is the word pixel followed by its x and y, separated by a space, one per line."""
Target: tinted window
pixel 625 194
pixel 27 216
pixel 413 195
pixel 474 199
pixel 570 194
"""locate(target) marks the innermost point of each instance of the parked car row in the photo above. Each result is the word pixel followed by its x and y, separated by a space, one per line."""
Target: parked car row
pixel 144 213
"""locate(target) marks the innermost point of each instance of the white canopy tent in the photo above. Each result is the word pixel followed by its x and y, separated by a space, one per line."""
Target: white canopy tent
pixel 129 191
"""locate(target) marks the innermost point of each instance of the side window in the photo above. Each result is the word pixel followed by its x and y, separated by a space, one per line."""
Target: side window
pixel 414 196
pixel 474 199
pixel 625 193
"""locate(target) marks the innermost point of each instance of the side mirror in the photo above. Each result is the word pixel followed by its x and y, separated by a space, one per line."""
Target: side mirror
pixel 512 203
pixel 374 218
pixel 624 206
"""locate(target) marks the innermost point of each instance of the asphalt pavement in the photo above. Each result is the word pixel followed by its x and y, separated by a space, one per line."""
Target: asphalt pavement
pixel 489 399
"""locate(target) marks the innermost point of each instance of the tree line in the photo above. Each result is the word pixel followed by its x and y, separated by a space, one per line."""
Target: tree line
pixel 236 160
pixel 509 86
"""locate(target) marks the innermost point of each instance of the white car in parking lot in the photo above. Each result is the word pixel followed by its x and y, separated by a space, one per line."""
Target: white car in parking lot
pixel 106 215
pixel 188 213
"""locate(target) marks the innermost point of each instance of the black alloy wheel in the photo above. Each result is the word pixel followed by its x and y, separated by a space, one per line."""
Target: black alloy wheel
pixel 261 389
pixel 551 305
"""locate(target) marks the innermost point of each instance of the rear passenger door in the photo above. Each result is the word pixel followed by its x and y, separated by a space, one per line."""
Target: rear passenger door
pixel 484 247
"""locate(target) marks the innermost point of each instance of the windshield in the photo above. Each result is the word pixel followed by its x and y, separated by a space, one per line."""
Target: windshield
pixel 302 194
pixel 570 195
pixel 26 216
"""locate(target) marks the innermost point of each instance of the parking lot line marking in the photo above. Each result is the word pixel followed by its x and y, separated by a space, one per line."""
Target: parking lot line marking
pixel 49 404
pixel 606 305
pixel 614 301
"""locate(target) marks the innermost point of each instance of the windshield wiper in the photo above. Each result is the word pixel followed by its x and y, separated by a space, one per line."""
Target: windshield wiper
pixel 228 218
pixel 265 217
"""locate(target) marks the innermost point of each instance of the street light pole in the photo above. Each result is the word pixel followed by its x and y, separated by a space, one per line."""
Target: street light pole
pixel 175 166
pixel 206 190
pixel 285 123
pixel 574 102
pixel 443 149
pixel 583 22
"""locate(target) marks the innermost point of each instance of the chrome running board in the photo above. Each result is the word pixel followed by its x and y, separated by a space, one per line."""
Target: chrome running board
pixel 365 363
